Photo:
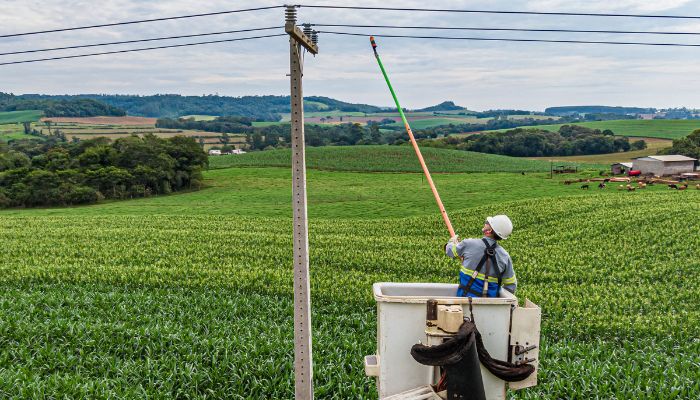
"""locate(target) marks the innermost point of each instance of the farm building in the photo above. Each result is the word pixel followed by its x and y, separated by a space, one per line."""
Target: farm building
pixel 621 168
pixel 664 165
pixel 235 151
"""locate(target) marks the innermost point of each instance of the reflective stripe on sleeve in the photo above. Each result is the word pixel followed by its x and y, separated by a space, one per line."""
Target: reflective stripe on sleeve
pixel 509 281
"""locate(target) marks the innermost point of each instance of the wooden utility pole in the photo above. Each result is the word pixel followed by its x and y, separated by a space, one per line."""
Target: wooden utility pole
pixel 303 365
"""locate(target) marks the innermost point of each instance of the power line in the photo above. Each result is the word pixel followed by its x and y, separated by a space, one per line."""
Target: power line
pixel 514 39
pixel 500 12
pixel 140 21
pixel 138 41
pixel 141 49
pixel 506 29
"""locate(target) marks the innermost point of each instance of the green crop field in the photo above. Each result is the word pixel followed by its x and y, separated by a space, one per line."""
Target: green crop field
pixel 11 117
pixel 267 192
pixel 190 295
pixel 384 159
pixel 656 128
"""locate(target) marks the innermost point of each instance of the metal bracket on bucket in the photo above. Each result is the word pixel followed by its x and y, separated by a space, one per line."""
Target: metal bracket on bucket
pixel 525 340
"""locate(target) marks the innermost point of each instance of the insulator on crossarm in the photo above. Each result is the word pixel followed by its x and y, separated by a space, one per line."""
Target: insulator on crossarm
pixel 307 30
pixel 290 14
pixel 314 37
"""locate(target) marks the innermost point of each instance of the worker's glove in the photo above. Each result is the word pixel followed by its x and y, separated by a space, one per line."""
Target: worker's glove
pixel 455 239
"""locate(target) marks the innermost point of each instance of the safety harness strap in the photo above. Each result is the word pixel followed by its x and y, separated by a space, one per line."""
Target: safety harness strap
pixel 490 255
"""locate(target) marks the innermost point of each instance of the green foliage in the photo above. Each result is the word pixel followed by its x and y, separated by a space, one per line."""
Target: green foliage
pixel 83 172
pixel 218 124
pixel 570 140
pixel 688 146
pixel 444 106
pixel 638 145
pixel 261 108
pixel 564 110
pixel 333 104
pixel 71 107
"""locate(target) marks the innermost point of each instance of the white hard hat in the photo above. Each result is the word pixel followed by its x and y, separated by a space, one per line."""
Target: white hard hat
pixel 501 225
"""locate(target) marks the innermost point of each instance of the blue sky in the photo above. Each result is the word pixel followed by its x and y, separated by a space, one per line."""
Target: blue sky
pixel 478 75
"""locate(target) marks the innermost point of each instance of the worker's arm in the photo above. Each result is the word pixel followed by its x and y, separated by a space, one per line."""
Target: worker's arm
pixel 508 279
pixel 453 248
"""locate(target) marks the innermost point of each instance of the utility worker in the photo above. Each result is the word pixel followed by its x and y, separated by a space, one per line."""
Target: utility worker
pixel 484 260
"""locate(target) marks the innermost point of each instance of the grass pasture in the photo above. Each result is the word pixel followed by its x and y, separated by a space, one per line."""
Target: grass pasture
pixel 11 117
pixel 13 132
pixel 190 295
pixel 653 128
pixel 383 159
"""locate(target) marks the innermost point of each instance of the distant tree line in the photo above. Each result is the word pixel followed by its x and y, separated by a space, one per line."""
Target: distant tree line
pixel 492 124
pixel 568 110
pixel 520 142
pixel 688 146
pixel 59 108
pixel 220 124
pixel 257 108
pixel 51 172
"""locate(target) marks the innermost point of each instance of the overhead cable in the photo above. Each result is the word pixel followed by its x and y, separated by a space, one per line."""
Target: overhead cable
pixel 513 39
pixel 447 10
pixel 464 28
pixel 139 21
pixel 138 41
pixel 141 49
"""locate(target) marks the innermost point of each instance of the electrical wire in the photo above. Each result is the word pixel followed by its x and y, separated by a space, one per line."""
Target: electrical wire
pixel 140 21
pixel 138 41
pixel 141 49
pixel 506 29
pixel 514 39
pixel 499 12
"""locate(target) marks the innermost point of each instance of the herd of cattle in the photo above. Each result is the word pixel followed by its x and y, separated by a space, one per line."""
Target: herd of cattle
pixel 640 184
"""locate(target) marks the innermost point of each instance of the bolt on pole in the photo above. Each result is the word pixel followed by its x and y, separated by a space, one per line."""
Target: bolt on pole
pixel 303 365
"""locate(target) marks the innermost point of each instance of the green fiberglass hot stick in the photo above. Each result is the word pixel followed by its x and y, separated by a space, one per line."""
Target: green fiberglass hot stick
pixel 413 141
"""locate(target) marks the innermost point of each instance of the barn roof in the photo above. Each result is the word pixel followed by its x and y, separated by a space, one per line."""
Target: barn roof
pixel 624 164
pixel 666 158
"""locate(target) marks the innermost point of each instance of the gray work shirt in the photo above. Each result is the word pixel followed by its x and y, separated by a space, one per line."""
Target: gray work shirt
pixel 472 250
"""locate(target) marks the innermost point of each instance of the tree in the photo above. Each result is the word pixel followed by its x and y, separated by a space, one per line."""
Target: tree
pixel 224 139
pixel 374 134
pixel 638 145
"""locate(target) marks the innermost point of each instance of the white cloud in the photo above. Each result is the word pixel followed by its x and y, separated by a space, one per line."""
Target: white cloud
pixel 475 74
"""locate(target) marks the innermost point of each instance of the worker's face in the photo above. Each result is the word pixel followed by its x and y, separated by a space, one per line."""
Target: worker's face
pixel 487 231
